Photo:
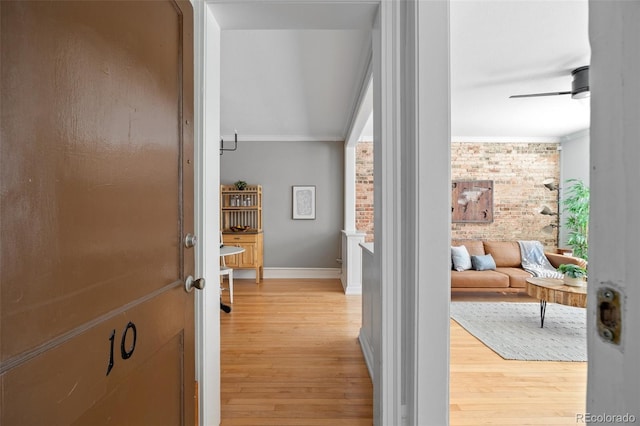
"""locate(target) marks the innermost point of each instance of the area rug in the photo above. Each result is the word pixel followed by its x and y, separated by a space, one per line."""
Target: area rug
pixel 512 330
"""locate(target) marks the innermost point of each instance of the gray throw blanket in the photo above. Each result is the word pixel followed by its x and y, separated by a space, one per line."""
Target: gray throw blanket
pixel 535 262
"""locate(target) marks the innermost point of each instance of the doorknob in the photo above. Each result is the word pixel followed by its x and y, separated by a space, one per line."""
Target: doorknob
pixel 191 283
pixel 190 240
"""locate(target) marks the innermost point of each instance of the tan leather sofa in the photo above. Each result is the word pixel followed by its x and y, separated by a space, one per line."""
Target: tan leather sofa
pixel 508 275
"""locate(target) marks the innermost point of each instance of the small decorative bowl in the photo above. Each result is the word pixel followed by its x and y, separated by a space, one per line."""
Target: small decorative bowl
pixel 240 228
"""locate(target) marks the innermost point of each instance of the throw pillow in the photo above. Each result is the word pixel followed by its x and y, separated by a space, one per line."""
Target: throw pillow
pixel 461 259
pixel 483 263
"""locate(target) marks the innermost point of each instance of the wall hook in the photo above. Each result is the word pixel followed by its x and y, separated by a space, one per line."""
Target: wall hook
pixel 235 145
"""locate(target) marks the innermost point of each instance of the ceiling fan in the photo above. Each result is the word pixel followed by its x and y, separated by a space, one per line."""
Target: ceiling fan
pixel 579 86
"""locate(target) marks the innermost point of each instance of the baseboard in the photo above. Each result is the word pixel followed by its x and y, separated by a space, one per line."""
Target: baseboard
pixel 367 351
pixel 488 290
pixel 352 290
pixel 318 273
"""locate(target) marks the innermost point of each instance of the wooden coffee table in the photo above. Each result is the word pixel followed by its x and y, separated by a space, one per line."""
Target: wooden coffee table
pixel 555 291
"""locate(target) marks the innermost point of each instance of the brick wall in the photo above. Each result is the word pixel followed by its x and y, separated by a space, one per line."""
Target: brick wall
pixel 364 189
pixel 517 171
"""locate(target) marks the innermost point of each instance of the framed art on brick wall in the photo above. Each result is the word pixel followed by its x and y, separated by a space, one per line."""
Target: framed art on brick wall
pixel 472 201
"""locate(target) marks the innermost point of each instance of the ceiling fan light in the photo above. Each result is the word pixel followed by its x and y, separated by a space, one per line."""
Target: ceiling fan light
pixel 580 83
pixel 581 95
pixel 579 86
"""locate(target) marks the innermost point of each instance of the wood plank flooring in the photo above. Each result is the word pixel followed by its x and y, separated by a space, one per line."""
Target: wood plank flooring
pixel 290 356
pixel 485 389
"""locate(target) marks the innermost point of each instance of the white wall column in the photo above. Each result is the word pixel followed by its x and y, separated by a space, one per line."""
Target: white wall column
pixel 430 216
pixel 386 280
pixel 351 275
pixel 410 283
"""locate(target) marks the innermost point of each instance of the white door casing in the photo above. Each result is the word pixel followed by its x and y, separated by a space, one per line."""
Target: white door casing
pixel 395 136
pixel 207 201
pixel 613 383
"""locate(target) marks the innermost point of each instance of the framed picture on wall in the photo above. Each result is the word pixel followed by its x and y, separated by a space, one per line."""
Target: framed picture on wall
pixel 472 201
pixel 304 202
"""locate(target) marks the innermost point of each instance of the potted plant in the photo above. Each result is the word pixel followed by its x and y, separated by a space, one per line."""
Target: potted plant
pixel 576 208
pixel 574 275
pixel 241 185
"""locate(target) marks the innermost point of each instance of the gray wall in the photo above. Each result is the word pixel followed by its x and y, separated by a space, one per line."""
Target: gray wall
pixel 574 164
pixel 277 166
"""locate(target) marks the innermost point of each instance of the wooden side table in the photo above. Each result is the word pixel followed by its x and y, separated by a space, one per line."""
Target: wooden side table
pixel 555 291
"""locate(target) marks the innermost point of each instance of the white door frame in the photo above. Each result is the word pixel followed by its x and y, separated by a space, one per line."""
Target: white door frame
pixel 613 382
pixel 207 207
pixel 412 148
pixel 613 372
pixel 412 174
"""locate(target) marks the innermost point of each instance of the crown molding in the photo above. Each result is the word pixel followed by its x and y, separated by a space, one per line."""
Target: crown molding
pixel 580 134
pixel 504 139
pixel 283 138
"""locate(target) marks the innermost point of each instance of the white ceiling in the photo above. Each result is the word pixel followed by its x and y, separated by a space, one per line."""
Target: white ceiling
pixel 291 85
pixel 292 71
pixel 295 71
pixel 503 48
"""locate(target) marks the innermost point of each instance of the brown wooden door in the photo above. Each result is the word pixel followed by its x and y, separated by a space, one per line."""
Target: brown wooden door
pixel 97 196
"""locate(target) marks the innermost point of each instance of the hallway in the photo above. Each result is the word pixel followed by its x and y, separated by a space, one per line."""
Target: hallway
pixel 291 356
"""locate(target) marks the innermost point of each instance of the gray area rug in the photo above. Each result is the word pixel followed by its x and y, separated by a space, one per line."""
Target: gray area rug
pixel 512 330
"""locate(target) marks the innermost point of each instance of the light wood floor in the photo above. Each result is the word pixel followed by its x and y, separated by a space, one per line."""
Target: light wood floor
pixel 485 389
pixel 290 356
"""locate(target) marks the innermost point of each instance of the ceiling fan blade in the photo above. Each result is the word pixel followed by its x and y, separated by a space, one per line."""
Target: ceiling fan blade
pixel 533 95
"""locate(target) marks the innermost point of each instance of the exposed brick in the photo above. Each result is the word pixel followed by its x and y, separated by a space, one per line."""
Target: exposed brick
pixel 517 171
pixel 364 189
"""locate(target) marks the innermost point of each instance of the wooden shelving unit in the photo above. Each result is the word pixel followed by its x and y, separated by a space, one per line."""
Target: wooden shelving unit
pixel 243 208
